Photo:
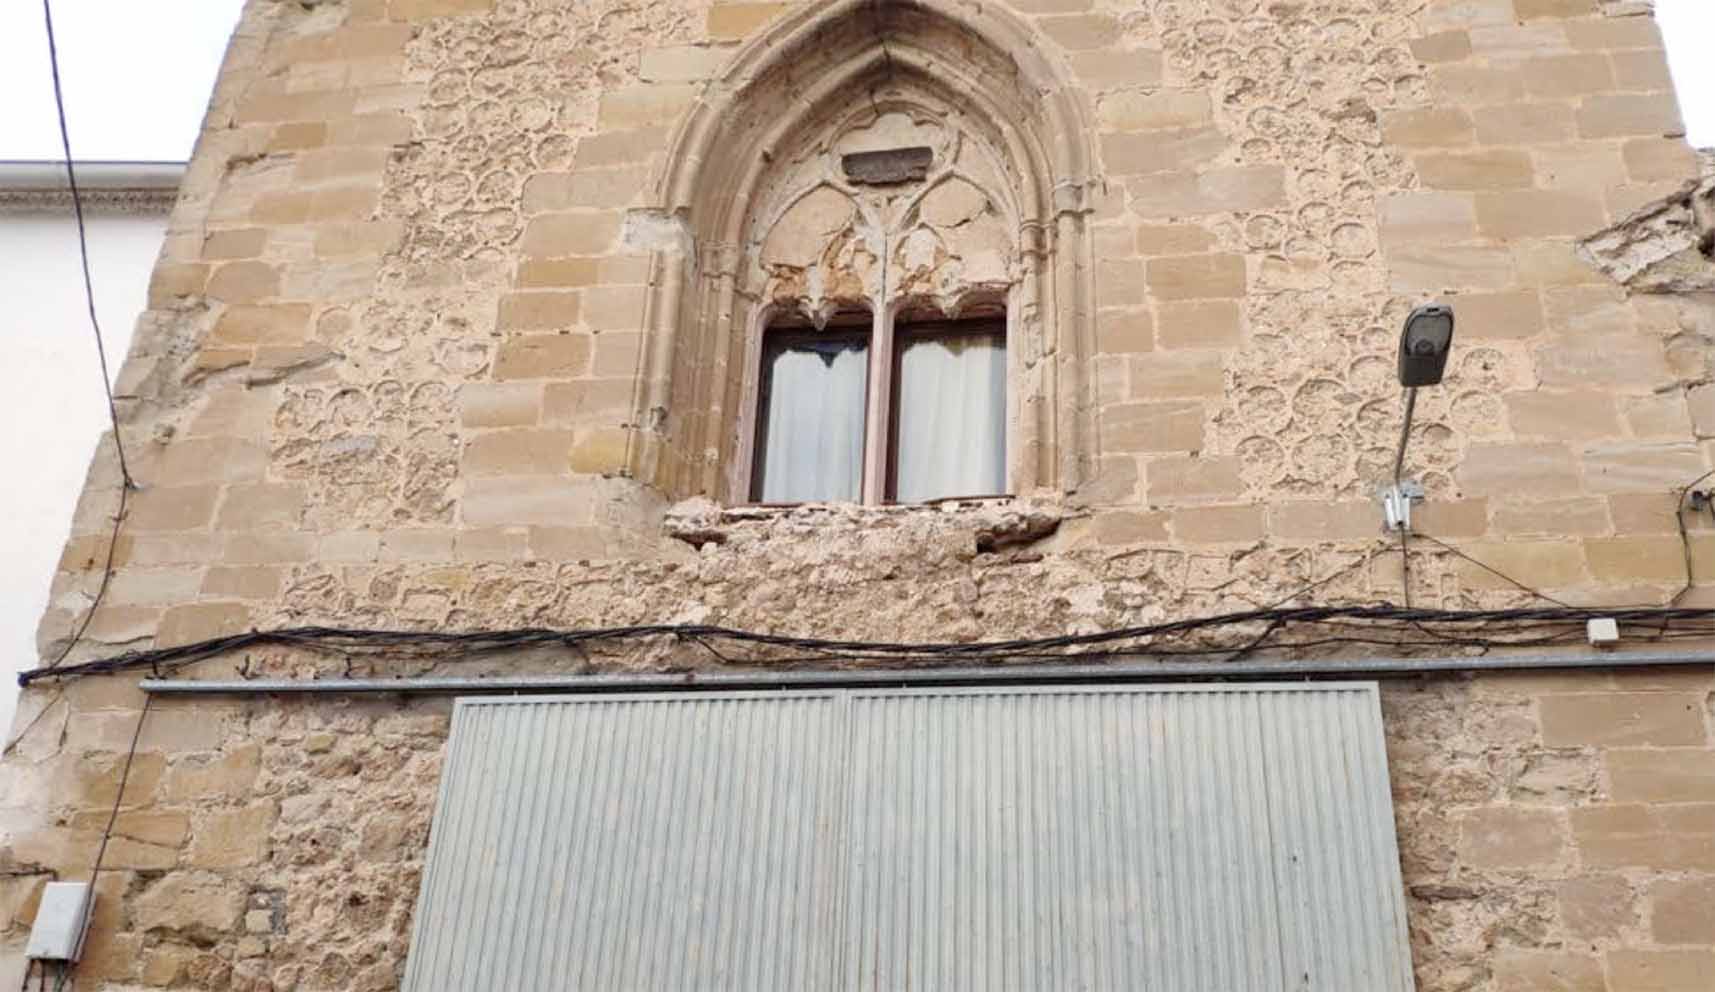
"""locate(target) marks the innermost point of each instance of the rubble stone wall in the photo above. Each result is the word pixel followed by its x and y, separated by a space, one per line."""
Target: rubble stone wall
pixel 437 341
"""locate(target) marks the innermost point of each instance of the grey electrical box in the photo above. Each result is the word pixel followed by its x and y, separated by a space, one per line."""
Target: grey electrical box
pixel 60 922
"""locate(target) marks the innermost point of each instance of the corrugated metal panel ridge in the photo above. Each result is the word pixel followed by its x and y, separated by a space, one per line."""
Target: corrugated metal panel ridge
pixel 1174 838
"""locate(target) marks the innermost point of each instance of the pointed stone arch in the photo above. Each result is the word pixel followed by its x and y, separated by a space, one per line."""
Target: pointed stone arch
pixel 981 65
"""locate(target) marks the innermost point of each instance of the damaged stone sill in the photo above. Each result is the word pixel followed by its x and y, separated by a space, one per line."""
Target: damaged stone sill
pixel 996 521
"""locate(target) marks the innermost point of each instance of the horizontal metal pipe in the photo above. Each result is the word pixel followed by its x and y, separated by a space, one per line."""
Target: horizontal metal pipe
pixel 1125 671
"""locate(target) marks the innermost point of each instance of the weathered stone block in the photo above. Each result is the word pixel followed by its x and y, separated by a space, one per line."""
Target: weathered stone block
pixel 1319 521
pixel 1640 466
pixel 1537 213
pixel 1622 115
pixel 243 282
pixel 1548 971
pixel 1541 564
pixel 422 10
pixel 1219 524
pixel 1659 971
pixel 232 838
pixel 1131 153
pixel 1543 470
pixel 1200 324
pixel 227 775
pixel 172 507
pixel 592 232
pixel 1597 907
pixel 520 451
pixel 197 905
pixel 556 500
pixel 1124 527
pixel 1442 46
pixel 1159 110
pixel 281 323
pixel 1435 268
pixel 1153 427
pixel 1428 127
pixel 189 623
pixel 683 63
pixel 1177 374
pixel 1177 479
pixel 1505 837
pixel 1102 70
pixel 1563 416
pixel 1480 170
pixel 1622 718
pixel 1662 775
pixel 248 507
pixel 538 311
pixel 542 356
pixel 1192 277
pixel 600 452
pixel 732 21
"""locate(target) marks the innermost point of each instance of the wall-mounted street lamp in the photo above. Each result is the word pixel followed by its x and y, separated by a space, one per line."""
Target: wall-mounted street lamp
pixel 1423 349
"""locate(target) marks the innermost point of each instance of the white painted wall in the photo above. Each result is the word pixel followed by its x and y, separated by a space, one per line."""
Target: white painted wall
pixel 50 390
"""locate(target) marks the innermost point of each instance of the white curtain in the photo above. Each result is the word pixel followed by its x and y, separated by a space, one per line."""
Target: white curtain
pixel 952 418
pixel 814 433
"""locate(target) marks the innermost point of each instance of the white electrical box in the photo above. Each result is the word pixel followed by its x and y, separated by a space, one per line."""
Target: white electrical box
pixel 1604 632
pixel 60 922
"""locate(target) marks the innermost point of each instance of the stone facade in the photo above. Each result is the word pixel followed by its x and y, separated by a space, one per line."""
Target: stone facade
pixel 455 325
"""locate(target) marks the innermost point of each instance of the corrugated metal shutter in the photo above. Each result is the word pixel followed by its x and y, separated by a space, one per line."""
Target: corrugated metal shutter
pixel 1179 839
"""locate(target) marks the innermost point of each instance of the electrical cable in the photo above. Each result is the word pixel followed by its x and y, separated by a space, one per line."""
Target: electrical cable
pixel 83 239
pixel 119 794
pixel 1685 536
pixel 1475 627
pixel 127 483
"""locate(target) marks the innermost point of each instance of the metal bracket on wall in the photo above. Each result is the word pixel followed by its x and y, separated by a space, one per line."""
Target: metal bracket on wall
pixel 1396 504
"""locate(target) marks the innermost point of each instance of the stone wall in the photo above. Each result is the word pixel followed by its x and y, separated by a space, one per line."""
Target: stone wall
pixel 410 362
